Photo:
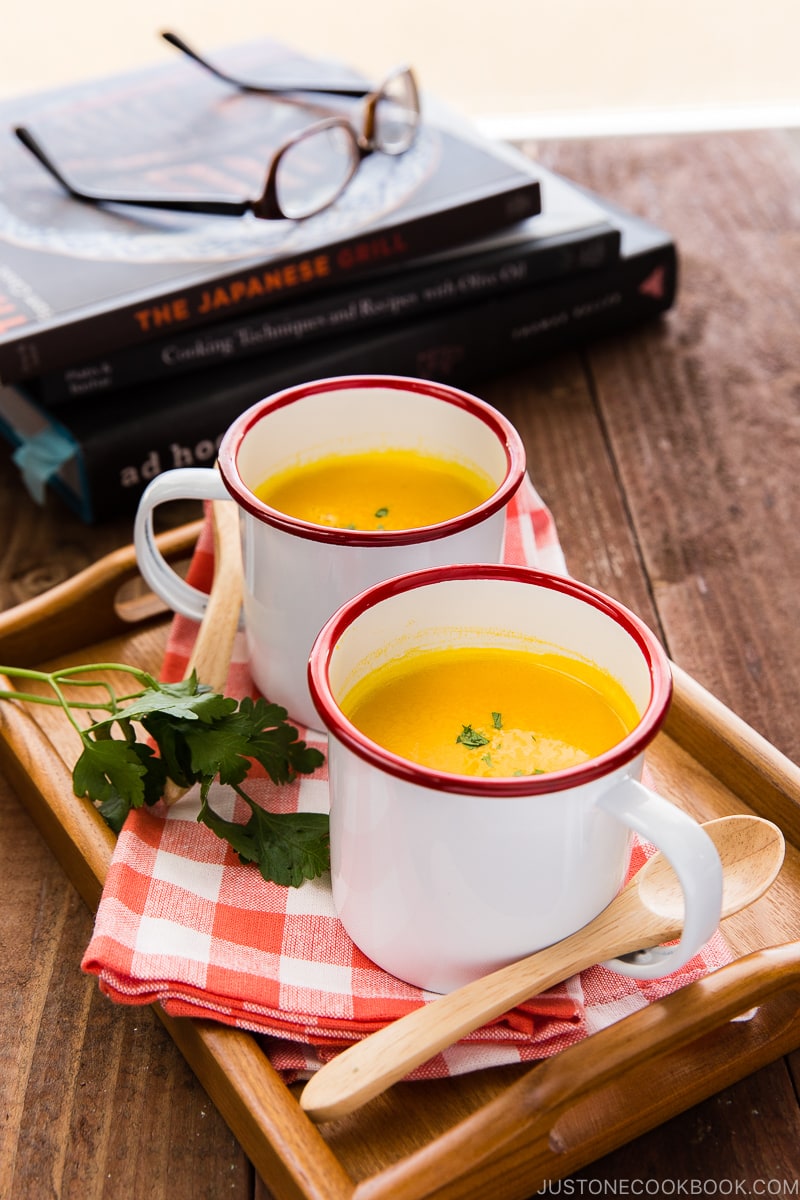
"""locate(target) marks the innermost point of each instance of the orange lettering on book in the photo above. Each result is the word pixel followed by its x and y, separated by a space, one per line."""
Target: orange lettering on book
pixel 236 291
pixel 170 313
pixel 250 287
pixel 372 250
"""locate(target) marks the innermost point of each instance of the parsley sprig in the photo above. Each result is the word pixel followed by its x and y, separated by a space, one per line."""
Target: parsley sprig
pixel 199 737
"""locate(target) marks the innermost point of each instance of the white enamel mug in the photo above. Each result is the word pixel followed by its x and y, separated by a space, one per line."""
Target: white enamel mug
pixel 298 573
pixel 441 878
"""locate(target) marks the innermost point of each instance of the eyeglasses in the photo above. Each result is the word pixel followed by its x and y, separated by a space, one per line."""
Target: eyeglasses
pixel 310 170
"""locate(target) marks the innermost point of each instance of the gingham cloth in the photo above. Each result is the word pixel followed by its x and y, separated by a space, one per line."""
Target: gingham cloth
pixel 183 923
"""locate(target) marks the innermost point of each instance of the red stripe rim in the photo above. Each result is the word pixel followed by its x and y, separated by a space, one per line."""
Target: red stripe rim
pixel 506 433
pixel 618 756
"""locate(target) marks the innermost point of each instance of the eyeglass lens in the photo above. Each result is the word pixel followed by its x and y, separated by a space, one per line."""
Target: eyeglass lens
pixel 314 170
pixel 396 114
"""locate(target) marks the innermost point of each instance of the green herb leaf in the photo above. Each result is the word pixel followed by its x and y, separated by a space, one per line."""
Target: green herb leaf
pixel 114 811
pixel 109 768
pixel 188 699
pixel 255 730
pixel 472 737
pixel 381 512
pixel 286 847
pixel 497 720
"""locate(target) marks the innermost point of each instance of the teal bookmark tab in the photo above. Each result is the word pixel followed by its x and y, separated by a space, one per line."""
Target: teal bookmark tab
pixel 40 458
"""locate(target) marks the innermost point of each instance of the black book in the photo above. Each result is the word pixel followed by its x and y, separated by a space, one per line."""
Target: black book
pixel 78 281
pixel 572 234
pixel 100 456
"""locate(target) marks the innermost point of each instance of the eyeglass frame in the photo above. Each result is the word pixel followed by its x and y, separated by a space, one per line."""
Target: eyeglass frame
pixel 267 206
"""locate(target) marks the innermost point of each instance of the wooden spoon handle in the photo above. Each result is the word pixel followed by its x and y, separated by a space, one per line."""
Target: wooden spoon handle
pixel 213 647
pixel 374 1064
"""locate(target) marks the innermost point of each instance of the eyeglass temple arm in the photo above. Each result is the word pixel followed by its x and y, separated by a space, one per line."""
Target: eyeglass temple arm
pixel 243 86
pixel 233 208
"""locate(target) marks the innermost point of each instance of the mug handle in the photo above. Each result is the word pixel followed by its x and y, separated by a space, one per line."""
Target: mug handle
pixel 183 483
pixel 693 857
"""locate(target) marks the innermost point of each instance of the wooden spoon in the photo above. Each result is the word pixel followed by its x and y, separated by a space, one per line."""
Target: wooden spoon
pixel 213 647
pixel 649 910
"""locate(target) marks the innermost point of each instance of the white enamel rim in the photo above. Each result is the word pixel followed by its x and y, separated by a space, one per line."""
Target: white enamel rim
pixel 612 760
pixel 505 432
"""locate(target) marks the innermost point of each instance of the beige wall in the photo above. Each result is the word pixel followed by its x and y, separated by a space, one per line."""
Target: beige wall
pixel 570 64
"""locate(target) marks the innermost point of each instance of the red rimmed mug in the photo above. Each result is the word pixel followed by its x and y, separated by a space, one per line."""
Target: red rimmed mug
pixel 297 573
pixel 441 878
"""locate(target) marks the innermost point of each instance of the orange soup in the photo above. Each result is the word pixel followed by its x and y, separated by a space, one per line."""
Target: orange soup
pixel 380 489
pixel 492 711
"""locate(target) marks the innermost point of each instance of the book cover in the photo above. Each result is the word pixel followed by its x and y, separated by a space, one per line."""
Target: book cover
pixel 77 280
pixel 100 457
pixel 572 234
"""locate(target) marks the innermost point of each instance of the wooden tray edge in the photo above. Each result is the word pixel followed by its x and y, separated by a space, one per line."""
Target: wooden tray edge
pixel 745 761
pixel 84 609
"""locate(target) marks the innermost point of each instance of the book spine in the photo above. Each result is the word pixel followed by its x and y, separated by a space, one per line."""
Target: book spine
pixel 183 425
pixel 403 295
pixel 255 286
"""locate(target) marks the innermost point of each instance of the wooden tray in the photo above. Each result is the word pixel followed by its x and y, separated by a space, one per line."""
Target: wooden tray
pixel 500 1132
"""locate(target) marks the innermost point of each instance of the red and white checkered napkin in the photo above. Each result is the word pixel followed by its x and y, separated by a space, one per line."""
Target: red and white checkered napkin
pixel 183 922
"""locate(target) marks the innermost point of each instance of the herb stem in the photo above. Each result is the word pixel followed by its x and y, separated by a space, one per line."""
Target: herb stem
pixel 32 698
pixel 35 698
pixel 57 680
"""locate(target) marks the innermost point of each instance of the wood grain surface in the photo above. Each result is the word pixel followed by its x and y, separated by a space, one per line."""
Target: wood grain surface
pixel 669 458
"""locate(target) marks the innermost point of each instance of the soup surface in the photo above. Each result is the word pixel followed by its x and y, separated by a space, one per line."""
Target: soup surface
pixel 492 711
pixel 380 489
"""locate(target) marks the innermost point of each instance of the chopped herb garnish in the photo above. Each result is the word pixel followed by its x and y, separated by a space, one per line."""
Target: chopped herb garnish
pixel 381 512
pixel 487 758
pixel 497 720
pixel 472 737
pixel 200 736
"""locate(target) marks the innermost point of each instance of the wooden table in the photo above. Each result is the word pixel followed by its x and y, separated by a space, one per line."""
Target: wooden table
pixel 670 459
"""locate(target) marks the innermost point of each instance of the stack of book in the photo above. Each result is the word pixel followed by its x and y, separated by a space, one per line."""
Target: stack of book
pixel 130 339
